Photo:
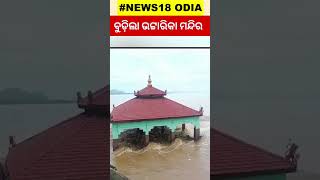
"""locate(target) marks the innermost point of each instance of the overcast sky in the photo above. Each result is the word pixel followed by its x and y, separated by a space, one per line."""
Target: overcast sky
pixel 53 46
pixel 171 69
pixel 267 48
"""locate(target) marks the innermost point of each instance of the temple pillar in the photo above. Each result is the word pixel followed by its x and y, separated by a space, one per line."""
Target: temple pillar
pixel 171 137
pixel 196 135
pixel 115 144
pixel 183 127
pixel 146 140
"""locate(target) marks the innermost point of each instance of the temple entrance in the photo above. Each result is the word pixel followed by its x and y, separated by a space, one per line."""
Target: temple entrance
pixel 151 112
pixel 161 134
pixel 133 138
pixel 138 138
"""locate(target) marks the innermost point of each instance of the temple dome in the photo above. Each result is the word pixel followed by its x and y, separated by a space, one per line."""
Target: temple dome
pixel 150 91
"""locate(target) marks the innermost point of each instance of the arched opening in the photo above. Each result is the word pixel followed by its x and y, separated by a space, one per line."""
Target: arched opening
pixel 138 135
pixel 161 134
pixel 133 138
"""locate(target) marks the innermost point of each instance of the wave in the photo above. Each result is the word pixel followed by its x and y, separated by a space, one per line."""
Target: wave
pixel 157 148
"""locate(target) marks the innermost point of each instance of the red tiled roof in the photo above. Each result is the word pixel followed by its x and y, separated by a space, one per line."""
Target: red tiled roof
pixel 150 91
pixel 233 157
pixel 150 104
pixel 99 98
pixel 150 108
pixel 76 149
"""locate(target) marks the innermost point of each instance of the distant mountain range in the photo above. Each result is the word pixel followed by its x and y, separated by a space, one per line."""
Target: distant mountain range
pixel 117 92
pixel 20 96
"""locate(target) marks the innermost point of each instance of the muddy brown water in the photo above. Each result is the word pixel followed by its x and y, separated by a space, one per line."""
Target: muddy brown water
pixel 187 160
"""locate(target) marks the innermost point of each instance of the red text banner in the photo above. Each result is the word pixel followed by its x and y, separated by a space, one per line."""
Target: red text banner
pixel 160 25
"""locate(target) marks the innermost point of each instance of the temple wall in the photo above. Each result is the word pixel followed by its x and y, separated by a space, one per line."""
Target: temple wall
pixel 262 177
pixel 147 125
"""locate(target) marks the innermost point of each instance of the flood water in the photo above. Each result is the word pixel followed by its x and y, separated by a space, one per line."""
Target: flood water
pixel 180 160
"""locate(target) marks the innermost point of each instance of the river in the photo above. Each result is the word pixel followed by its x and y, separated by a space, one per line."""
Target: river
pixel 181 160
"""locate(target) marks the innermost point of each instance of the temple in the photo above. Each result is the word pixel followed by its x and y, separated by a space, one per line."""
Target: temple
pixel 77 148
pixel 149 109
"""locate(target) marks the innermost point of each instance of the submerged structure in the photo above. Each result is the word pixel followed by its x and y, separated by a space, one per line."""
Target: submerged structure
pixel 149 109
pixel 78 147
pixel 234 159
pixel 73 149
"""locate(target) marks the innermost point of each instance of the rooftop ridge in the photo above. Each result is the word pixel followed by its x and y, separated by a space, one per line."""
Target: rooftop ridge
pixel 101 90
pixel 117 106
pixel 169 117
pixel 150 91
pixel 51 127
pixel 182 104
pixel 62 139
pixel 251 145
pixel 191 112
pixel 98 101
pixel 245 163
pixel 150 104
pixel 59 140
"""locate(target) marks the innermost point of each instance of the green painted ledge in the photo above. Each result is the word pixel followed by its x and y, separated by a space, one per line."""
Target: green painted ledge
pixel 147 125
pixel 262 177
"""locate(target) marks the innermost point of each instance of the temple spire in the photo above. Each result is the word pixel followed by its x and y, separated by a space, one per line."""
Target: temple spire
pixel 149 81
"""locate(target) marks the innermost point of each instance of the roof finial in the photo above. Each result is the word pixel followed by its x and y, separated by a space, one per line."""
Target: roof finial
pixel 79 97
pixel 12 141
pixel 149 81
pixel 201 110
pixel 90 97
